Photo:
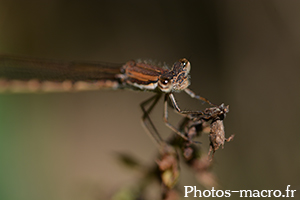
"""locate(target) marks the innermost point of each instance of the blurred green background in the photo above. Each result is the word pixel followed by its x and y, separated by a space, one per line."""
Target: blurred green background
pixel 243 53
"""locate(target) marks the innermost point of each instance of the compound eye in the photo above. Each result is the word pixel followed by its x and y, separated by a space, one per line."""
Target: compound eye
pixel 165 81
pixel 165 84
pixel 184 62
pixel 185 65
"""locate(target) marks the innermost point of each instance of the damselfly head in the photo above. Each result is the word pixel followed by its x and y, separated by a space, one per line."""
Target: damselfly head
pixel 177 78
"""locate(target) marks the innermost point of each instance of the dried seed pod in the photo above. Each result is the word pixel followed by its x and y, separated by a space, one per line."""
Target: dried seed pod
pixel 217 136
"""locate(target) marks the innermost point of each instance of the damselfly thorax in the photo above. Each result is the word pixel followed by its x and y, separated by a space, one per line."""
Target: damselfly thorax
pixel 151 77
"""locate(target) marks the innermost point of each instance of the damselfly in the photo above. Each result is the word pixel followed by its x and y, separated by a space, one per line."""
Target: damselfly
pixel 20 74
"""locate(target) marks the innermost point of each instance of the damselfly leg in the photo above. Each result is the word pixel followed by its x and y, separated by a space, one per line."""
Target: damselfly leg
pixel 182 112
pixel 146 112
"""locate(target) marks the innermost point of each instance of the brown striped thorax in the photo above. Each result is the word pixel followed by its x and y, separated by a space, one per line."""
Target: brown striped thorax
pixel 149 77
